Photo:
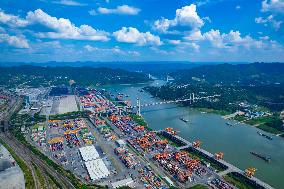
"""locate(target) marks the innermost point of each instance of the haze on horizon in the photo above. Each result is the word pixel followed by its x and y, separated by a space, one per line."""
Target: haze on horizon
pixel 148 30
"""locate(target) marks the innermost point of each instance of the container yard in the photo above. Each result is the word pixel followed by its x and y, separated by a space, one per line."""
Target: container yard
pixel 64 141
pixel 111 148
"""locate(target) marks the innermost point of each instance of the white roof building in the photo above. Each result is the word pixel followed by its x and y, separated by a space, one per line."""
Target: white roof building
pixel 89 153
pixel 124 182
pixel 97 169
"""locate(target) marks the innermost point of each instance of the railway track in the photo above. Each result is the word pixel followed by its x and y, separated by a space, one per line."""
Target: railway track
pixel 25 153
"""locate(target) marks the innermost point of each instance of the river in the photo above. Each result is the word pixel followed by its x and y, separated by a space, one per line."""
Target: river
pixel 235 141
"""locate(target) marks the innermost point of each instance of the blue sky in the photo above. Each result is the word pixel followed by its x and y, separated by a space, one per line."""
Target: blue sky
pixel 142 30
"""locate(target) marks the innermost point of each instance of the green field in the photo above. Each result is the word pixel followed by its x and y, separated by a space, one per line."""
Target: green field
pixel 259 120
pixel 209 110
pixel 199 186
pixel 268 129
pixel 139 120
pixel 238 182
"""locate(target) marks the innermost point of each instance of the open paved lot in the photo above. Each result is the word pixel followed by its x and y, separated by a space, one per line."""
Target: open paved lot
pixel 64 104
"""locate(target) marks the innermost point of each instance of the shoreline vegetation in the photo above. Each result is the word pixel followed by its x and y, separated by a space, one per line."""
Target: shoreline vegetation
pixel 265 123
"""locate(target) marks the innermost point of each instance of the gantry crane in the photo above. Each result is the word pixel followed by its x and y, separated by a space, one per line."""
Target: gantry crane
pixel 250 171
pixel 197 144
pixel 219 155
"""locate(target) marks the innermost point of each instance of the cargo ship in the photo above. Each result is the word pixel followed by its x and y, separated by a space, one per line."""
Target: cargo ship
pixel 264 135
pixel 229 124
pixel 184 120
pixel 265 158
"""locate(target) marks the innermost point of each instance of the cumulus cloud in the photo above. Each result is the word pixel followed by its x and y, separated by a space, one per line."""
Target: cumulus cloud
pixel 186 16
pixel 275 6
pixel 123 9
pixel 63 28
pixel 12 20
pixel 14 41
pixel 269 20
pixel 132 35
pixel 233 39
pixel 194 36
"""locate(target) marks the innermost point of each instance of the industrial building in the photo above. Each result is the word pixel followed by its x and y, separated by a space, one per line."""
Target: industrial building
pixel 95 166
pixel 97 169
pixel 89 153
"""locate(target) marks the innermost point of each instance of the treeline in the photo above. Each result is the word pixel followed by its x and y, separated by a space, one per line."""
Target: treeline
pixel 86 76
pixel 269 96
pixel 228 74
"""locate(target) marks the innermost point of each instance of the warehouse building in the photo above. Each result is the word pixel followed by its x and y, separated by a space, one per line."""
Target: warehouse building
pixel 95 166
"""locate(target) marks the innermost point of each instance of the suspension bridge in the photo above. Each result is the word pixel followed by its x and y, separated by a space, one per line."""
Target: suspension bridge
pixel 192 99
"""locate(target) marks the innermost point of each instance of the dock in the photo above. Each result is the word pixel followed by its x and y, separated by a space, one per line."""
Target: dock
pixel 229 168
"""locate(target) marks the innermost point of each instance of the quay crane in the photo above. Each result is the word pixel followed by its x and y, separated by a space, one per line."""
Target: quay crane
pixel 197 144
pixel 171 130
pixel 250 171
pixel 219 155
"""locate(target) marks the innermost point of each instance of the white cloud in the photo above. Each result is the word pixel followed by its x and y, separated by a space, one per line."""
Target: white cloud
pixel 63 28
pixel 194 36
pixel 269 20
pixel 12 20
pixel 195 46
pixel 132 35
pixel 264 37
pixel 275 6
pixel 163 24
pixel 238 7
pixel 14 41
pixel 123 9
pixel 93 12
pixel 174 42
pixel 186 16
pixel 231 40
pixel 114 50
pixel 69 3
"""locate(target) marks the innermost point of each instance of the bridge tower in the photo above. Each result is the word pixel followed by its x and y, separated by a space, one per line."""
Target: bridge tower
pixel 192 97
pixel 138 107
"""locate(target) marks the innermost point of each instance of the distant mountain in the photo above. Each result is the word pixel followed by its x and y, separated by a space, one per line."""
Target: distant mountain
pixel 242 74
pixel 37 76
pixel 152 67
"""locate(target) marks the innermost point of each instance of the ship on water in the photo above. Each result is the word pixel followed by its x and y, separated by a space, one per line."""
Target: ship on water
pixel 229 124
pixel 264 135
pixel 265 158
pixel 184 120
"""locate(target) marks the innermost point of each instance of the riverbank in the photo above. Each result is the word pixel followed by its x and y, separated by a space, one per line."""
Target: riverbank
pixel 208 110
pixel 271 124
